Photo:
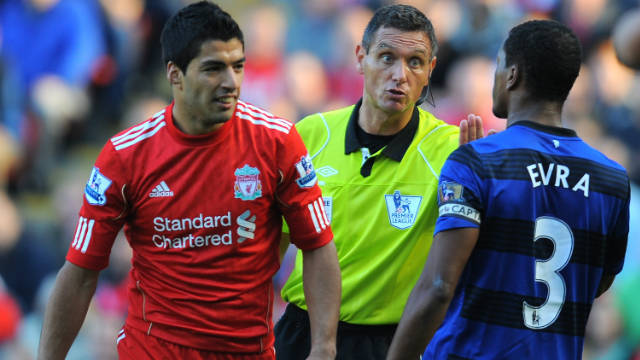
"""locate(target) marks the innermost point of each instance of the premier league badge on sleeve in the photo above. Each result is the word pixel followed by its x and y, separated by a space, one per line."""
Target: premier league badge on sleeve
pixel 402 209
pixel 307 174
pixel 451 202
pixel 96 187
pixel 247 185
pixel 450 192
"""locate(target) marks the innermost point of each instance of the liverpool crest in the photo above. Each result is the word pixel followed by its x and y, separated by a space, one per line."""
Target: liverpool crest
pixel 247 185
pixel 402 209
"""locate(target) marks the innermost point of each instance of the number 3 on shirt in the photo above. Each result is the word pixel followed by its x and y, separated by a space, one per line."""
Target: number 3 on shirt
pixel 548 272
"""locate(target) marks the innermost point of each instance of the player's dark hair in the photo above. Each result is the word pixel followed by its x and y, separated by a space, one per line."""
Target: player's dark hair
pixel 401 17
pixel 184 33
pixel 549 54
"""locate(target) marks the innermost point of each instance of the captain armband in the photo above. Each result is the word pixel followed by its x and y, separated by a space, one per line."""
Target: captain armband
pixel 452 202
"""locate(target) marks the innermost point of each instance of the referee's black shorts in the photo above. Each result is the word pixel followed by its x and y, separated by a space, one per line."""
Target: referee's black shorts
pixel 354 342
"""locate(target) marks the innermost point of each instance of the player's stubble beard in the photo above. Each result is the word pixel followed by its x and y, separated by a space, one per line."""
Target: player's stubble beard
pixel 217 116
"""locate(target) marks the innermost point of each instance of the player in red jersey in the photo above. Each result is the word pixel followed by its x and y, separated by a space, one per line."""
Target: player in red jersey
pixel 201 189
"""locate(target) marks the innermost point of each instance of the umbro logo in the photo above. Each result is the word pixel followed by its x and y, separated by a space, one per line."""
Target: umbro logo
pixel 161 190
pixel 326 171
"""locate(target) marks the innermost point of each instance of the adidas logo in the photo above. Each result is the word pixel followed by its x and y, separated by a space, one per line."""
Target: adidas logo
pixel 161 190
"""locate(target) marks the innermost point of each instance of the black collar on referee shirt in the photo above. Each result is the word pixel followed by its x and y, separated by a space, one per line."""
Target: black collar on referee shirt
pixel 395 150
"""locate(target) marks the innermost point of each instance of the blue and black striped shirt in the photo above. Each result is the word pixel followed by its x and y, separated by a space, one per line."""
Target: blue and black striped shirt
pixel 553 215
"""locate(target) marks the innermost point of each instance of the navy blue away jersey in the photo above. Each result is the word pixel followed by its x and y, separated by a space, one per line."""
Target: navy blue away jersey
pixel 553 215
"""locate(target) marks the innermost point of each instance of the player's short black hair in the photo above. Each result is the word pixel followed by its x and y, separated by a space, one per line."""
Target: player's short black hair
pixel 549 54
pixel 185 31
pixel 401 17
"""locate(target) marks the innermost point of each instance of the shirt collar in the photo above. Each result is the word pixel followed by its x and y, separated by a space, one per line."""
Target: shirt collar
pixel 396 148
pixel 554 130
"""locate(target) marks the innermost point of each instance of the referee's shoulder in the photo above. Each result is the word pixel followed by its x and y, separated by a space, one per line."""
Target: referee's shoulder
pixel 318 128
pixel 438 133
pixel 325 118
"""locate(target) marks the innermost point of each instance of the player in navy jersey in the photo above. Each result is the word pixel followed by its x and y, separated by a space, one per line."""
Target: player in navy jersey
pixel 532 223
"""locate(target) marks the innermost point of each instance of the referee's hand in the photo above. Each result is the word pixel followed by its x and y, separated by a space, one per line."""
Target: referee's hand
pixel 471 129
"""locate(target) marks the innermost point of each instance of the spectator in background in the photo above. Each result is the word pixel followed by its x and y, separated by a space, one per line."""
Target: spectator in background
pixel 468 91
pixel 69 53
pixel 11 108
pixel 313 27
pixel 345 83
pixel 9 152
pixel 54 47
pixel 482 25
pixel 585 17
pixel 616 105
pixel 265 68
pixel 10 315
pixel 24 261
pixel 132 28
pixel 307 84
pixel 626 39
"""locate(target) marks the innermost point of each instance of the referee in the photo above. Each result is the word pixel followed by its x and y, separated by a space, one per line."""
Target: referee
pixel 378 163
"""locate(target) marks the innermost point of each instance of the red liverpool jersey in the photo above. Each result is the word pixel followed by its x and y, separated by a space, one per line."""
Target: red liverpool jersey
pixel 203 215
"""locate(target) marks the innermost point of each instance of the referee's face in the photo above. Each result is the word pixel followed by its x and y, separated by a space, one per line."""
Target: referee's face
pixel 396 68
pixel 211 84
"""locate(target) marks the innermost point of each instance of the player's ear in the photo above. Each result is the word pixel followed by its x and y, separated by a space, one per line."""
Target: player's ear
pixel 360 54
pixel 513 76
pixel 174 75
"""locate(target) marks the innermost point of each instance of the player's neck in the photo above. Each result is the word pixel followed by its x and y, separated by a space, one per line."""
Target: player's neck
pixel 189 125
pixel 377 122
pixel 542 112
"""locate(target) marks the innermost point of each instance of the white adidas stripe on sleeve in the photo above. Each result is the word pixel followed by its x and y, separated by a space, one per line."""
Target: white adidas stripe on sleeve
pixel 87 238
pixel 324 214
pixel 83 234
pixel 78 227
pixel 322 223
pixel 313 217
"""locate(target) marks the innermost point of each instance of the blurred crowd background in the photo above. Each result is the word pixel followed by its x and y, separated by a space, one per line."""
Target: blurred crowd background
pixel 74 72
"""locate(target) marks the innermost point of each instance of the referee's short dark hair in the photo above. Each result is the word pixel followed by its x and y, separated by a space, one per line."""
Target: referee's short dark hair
pixel 184 33
pixel 401 17
pixel 549 54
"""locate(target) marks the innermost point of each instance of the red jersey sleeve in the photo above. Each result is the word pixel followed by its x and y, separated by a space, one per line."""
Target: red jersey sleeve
pixel 300 197
pixel 102 212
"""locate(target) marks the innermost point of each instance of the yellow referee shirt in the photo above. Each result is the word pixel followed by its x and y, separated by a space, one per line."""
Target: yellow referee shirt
pixel 382 208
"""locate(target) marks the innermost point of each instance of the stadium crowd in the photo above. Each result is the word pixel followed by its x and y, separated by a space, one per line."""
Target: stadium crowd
pixel 74 72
